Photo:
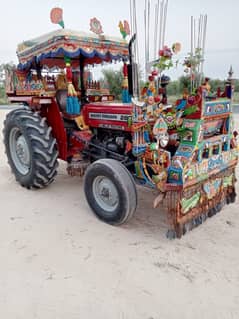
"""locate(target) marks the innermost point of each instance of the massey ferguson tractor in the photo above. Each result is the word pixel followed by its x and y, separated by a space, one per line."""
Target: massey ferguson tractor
pixel 187 151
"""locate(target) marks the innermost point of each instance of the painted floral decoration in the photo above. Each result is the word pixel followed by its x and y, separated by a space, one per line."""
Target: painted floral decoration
pixel 57 16
pixel 95 26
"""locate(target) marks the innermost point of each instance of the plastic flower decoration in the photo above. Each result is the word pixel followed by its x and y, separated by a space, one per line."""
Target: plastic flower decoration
pixel 192 61
pixel 166 52
pixel 95 26
pixel 57 16
pixel 165 60
pixel 176 47
pixel 124 28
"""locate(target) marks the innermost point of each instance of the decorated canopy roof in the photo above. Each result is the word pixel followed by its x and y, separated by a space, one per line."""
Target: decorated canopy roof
pixel 51 48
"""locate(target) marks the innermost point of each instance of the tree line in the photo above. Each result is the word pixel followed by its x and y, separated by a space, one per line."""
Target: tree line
pixel 175 88
pixel 113 79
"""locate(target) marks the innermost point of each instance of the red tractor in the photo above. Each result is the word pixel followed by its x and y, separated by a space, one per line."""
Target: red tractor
pixel 186 151
pixel 58 121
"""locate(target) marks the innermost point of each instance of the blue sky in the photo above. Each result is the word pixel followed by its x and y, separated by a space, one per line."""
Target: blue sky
pixel 26 19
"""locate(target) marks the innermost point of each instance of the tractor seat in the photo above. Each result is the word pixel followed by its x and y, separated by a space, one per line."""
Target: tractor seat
pixel 61 96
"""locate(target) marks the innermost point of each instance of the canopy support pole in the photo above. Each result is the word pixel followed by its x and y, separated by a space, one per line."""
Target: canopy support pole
pixel 83 91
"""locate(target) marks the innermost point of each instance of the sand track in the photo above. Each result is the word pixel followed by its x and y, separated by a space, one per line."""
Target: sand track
pixel 58 261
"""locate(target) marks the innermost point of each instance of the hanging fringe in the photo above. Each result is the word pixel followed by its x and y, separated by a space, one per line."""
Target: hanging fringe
pixel 72 102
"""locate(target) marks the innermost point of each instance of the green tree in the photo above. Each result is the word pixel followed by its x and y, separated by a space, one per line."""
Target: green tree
pixel 236 85
pixel 216 83
pixel 3 68
pixel 173 88
pixel 184 83
pixel 114 80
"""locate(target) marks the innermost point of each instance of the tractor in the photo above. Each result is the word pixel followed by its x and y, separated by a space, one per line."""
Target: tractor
pixel 188 156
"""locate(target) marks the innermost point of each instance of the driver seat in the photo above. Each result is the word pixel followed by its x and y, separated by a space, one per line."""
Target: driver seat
pixel 61 97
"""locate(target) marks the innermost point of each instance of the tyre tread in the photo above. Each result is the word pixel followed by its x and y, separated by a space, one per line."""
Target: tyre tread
pixel 42 146
pixel 126 181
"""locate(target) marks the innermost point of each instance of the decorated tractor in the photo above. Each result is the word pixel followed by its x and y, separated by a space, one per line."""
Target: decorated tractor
pixel 187 151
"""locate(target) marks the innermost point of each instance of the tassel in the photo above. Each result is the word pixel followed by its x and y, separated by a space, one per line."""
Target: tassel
pixel 76 103
pixel 69 105
pixel 71 90
pixel 72 103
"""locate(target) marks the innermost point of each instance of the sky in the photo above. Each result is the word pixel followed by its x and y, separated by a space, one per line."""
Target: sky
pixel 25 19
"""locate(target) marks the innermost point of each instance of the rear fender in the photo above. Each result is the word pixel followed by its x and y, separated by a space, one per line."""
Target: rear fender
pixel 54 119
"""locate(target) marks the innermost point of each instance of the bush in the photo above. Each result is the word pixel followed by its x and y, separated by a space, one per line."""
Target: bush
pixel 3 97
pixel 114 80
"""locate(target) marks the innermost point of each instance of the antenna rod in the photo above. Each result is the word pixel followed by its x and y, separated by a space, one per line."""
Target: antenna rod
pixel 164 21
pixel 199 47
pixel 155 31
pixel 192 44
pixel 161 25
pixel 131 18
pixel 148 53
pixel 145 38
pixel 203 45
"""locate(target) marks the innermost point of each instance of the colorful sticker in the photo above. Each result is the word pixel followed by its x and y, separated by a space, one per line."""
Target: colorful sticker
pixel 189 203
pixel 227 181
pixel 213 108
pixel 175 175
pixel 95 26
pixel 212 188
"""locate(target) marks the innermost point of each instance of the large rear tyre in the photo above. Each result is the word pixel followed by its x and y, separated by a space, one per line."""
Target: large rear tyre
pixel 110 191
pixel 30 148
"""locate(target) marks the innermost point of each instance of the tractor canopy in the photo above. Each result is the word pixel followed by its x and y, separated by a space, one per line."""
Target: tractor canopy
pixel 51 49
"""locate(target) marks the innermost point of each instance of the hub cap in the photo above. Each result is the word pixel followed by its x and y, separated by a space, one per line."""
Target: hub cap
pixel 105 193
pixel 19 150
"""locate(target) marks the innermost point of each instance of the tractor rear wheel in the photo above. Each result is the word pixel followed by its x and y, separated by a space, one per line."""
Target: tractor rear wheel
pixel 30 147
pixel 110 191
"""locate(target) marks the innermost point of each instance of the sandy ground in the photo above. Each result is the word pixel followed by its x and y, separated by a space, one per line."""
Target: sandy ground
pixel 58 261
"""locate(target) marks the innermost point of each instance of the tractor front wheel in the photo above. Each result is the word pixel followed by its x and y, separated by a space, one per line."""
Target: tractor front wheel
pixel 30 148
pixel 110 191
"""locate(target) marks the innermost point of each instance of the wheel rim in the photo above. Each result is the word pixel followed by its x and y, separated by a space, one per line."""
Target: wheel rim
pixel 19 150
pixel 105 193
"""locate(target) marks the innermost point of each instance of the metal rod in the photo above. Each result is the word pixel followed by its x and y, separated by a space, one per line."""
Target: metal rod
pixel 131 18
pixel 145 38
pixel 82 84
pixel 192 44
pixel 161 25
pixel 148 35
pixel 133 45
pixel 164 21
pixel 155 31
pixel 204 42
pixel 157 35
pixel 156 41
pixel 194 35
pixel 136 50
pixel 199 47
pixel 199 32
pixel 136 31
